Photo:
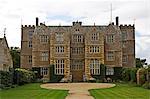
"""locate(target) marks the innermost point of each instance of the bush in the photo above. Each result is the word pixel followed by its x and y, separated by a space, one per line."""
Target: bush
pixel 133 74
pixel 24 76
pixel 126 74
pixel 6 79
pixel 129 74
pixel 146 85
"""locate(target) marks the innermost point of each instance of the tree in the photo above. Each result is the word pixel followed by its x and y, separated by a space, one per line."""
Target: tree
pixel 140 62
pixel 15 53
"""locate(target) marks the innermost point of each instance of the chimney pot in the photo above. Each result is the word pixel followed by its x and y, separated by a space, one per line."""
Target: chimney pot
pixel 117 20
pixel 37 21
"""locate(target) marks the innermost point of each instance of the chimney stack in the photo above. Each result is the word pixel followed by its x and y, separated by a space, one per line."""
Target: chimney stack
pixel 117 20
pixel 37 21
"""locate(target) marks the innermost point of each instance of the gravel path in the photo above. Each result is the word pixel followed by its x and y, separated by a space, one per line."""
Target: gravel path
pixel 77 90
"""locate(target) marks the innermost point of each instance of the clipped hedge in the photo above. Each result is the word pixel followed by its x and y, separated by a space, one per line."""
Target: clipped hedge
pixel 23 76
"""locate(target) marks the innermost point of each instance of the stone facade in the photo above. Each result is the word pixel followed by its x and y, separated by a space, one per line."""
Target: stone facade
pixel 5 56
pixel 77 51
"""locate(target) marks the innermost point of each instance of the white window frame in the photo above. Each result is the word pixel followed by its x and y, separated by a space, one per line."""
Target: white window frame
pixel 109 71
pixel 44 71
pixel 95 67
pixel 44 56
pixel 110 56
pixel 59 49
pixel 59 67
pixel 94 49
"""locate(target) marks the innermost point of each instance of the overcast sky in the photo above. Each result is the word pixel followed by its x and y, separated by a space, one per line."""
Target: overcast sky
pixel 55 12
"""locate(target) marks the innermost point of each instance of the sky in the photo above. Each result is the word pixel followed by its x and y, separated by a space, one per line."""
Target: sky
pixel 13 13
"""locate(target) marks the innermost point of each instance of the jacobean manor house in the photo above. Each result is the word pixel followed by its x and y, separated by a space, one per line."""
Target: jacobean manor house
pixel 76 52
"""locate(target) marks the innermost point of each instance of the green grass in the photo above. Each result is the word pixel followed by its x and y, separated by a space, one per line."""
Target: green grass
pixel 32 91
pixel 121 91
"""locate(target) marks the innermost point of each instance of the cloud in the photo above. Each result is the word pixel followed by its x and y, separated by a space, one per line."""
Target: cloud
pixel 55 12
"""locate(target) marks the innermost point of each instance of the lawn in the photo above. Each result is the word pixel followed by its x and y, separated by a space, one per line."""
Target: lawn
pixel 32 91
pixel 121 91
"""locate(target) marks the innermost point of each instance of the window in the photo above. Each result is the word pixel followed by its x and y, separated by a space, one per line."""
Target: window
pixel 44 71
pixel 110 38
pixel 77 65
pixel 59 37
pixel 110 56
pixel 95 67
pixel 124 35
pixel 124 44
pixel 43 38
pixel 59 49
pixel 59 67
pixel 78 50
pixel 45 56
pixel 30 44
pixel 77 38
pixel 109 71
pixel 94 49
pixel 94 36
pixel 30 34
pixel 124 58
pixel 30 59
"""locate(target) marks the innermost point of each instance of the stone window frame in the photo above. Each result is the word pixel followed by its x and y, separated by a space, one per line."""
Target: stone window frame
pixel 124 35
pixel 30 34
pixel 30 44
pixel 44 71
pixel 78 38
pixel 110 38
pixel 59 37
pixel 59 49
pixel 95 36
pixel 59 66
pixel 109 70
pixel 44 56
pixel 77 50
pixel 94 49
pixel 124 58
pixel 44 38
pixel 77 64
pixel 124 44
pixel 95 67
pixel 30 59
pixel 110 56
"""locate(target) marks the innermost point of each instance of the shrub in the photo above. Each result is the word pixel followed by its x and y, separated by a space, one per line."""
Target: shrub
pixel 6 79
pixel 129 74
pixel 146 85
pixel 133 74
pixel 24 76
pixel 126 74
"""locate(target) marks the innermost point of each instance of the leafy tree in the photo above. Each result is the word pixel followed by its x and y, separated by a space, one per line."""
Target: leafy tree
pixel 140 62
pixel 15 53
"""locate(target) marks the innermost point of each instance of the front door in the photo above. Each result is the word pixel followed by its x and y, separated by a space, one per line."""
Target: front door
pixel 77 75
